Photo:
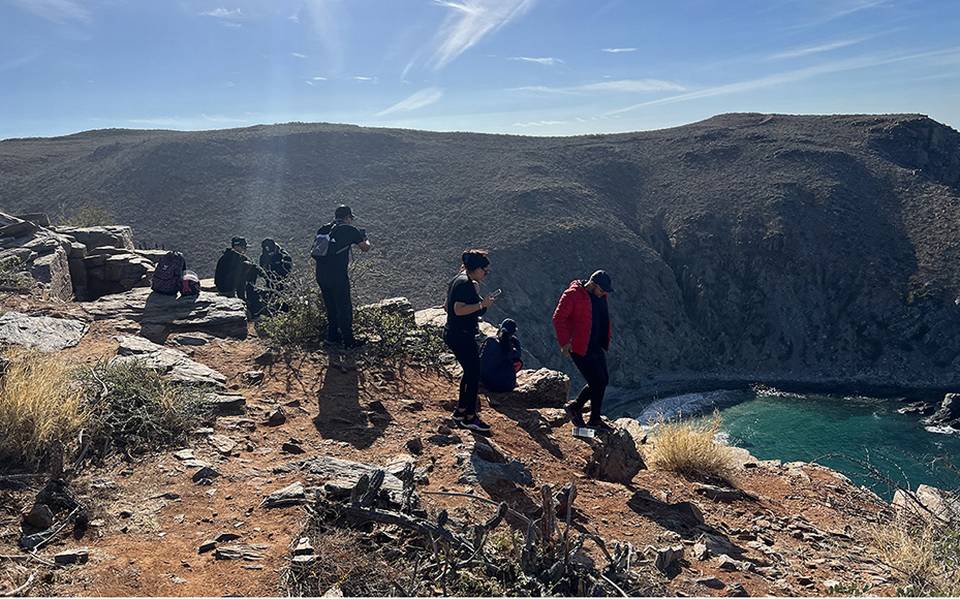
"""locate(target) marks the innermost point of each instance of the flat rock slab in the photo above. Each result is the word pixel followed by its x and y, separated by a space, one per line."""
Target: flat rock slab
pixel 43 333
pixel 338 476
pixel 170 362
pixel 161 315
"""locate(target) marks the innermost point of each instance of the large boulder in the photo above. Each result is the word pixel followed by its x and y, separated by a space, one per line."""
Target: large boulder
pixel 948 414
pixel 53 270
pixel 117 236
pixel 115 272
pixel 400 306
pixel 160 315
pixel 928 503
pixel 167 361
pixel 484 463
pixel 43 333
pixel 543 388
pixel 435 318
pixel 615 457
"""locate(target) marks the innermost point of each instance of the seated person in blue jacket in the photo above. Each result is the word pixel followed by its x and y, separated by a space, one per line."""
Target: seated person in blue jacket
pixel 500 359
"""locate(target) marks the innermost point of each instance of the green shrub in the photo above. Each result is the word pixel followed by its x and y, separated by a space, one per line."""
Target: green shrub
pixel 86 214
pixel 393 338
pixel 299 317
pixel 134 410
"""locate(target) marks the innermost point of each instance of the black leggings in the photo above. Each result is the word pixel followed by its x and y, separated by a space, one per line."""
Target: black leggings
pixel 593 367
pixel 464 346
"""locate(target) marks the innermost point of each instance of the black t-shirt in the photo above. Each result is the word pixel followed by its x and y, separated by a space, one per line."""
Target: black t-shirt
pixel 342 236
pixel 462 289
pixel 599 324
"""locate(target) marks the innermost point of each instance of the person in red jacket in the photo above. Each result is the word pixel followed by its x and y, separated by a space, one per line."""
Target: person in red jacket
pixel 582 324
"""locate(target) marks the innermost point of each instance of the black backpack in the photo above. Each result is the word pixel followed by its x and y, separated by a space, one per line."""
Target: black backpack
pixel 168 276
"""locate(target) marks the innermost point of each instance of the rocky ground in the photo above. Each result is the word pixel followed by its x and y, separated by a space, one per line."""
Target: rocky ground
pixel 193 520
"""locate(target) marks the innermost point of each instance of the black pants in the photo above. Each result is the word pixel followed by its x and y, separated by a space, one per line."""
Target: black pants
pixel 464 347
pixel 335 287
pixel 593 367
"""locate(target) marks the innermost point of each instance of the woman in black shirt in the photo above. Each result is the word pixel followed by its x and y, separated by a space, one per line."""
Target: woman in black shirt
pixel 464 308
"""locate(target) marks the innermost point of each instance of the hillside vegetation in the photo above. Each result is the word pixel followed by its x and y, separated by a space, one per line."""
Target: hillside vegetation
pixel 764 247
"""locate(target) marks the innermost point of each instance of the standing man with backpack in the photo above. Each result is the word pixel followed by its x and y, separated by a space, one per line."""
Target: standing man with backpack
pixel 582 324
pixel 331 250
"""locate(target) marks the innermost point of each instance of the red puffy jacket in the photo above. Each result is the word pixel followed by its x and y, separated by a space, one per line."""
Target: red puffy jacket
pixel 573 317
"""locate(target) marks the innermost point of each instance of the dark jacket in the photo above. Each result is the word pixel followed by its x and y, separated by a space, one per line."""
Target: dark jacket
pixel 497 372
pixel 573 318
pixel 233 270
pixel 276 265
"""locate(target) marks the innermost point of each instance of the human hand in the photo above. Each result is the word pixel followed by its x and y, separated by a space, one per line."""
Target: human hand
pixel 565 350
pixel 488 301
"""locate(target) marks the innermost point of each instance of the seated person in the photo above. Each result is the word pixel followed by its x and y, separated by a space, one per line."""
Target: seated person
pixel 500 359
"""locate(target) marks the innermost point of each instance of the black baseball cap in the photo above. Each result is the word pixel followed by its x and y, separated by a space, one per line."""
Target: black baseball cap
pixel 602 279
pixel 343 211
pixel 239 241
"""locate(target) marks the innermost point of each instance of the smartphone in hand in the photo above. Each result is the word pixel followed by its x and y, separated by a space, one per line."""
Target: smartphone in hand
pixel 496 293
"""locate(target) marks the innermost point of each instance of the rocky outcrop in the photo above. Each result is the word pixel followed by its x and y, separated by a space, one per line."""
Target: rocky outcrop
pixel 435 318
pixel 927 502
pixel 38 251
pixel 399 306
pixel 43 333
pixel 948 414
pixel 170 362
pixel 616 457
pixel 543 388
pixel 484 463
pixel 117 236
pixel 161 315
pixel 110 270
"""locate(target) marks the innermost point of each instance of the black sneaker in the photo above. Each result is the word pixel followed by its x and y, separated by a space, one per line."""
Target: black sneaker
pixel 600 426
pixel 458 416
pixel 475 424
pixel 573 413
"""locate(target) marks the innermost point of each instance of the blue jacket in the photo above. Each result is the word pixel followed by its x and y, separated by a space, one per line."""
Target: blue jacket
pixel 497 373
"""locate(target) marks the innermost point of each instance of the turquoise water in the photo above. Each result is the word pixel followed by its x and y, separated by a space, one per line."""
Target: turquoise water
pixel 841 433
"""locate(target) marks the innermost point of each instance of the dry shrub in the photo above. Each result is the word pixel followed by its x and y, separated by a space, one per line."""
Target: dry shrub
pixel 925 555
pixel 690 449
pixel 40 404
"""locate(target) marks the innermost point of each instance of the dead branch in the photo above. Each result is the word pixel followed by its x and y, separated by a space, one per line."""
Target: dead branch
pixel 22 588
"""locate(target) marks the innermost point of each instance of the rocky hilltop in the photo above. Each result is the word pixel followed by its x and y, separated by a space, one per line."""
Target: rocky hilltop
pixel 821 250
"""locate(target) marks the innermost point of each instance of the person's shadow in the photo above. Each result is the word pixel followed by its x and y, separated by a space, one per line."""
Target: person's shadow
pixel 339 413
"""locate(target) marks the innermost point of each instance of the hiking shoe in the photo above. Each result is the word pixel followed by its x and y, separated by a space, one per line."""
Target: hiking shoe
pixel 600 426
pixel 458 416
pixel 573 413
pixel 475 424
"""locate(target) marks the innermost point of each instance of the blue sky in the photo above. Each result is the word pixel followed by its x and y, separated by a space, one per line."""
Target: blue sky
pixel 530 67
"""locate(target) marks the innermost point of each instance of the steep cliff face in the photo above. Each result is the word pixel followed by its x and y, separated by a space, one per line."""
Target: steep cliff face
pixel 763 247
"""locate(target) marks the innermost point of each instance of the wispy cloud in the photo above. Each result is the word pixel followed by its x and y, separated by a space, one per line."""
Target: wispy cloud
pixel 469 22
pixel 420 99
pixel 538 124
pixel 57 11
pixel 363 78
pixel 319 78
pixel 618 50
pixel 628 86
pixel 223 13
pixel 807 51
pixel 298 55
pixel 837 9
pixel 547 60
pixel 793 77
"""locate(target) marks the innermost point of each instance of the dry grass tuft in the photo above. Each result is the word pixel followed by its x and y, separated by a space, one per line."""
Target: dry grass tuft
pixel 689 448
pixel 40 404
pixel 924 554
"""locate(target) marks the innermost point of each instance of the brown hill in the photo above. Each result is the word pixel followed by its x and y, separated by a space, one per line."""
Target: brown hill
pixel 745 247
